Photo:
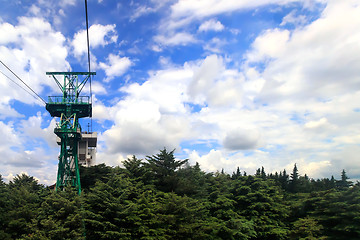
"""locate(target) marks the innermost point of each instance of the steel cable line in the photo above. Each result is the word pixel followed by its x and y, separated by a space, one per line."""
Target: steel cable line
pixel 88 48
pixel 37 95
pixel 34 96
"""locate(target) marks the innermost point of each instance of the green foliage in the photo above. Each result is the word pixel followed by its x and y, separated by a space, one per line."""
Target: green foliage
pixel 339 213
pixel 294 180
pixel 24 198
pixel 59 217
pixel 104 208
pixel 89 175
pixel 192 182
pixel 165 198
pixel 307 228
pixel 163 166
pixel 343 184
pixel 262 202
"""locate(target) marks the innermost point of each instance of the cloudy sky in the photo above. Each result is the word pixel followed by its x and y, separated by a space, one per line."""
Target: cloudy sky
pixel 228 83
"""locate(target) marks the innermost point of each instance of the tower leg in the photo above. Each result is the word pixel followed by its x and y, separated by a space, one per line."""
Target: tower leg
pixel 68 169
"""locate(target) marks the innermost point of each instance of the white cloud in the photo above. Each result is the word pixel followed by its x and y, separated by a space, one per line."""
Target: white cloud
pixel 211 25
pixel 347 159
pixel 311 62
pixel 214 85
pixel 11 136
pixel 215 45
pixel 145 122
pixel 32 127
pixel 64 3
pixel 141 129
pixel 308 83
pixel 10 33
pixel 271 44
pixel 181 38
pixel 242 139
pixel 100 35
pixel 143 10
pixel 216 160
pixel 292 18
pixel 16 156
pixel 293 100
pixel 98 88
pixel 116 66
pixel 203 8
pixel 213 161
pixel 6 111
pixel 316 124
pixel 30 49
pixel 184 12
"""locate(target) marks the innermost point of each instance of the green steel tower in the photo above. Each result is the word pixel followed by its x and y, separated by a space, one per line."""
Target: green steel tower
pixel 69 107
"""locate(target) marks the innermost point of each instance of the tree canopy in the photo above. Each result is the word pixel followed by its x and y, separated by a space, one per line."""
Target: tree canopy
pixel 160 197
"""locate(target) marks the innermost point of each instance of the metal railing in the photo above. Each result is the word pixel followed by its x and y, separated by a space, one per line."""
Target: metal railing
pixel 62 100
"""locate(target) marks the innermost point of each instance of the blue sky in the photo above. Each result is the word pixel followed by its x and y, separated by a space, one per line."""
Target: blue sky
pixel 228 83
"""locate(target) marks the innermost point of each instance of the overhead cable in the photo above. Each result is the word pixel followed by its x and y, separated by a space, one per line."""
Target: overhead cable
pixel 37 95
pixel 34 96
pixel 88 48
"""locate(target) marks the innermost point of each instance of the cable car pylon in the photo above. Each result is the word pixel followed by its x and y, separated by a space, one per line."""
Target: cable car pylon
pixel 70 107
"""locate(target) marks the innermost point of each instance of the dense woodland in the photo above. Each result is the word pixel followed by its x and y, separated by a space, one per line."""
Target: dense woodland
pixel 161 197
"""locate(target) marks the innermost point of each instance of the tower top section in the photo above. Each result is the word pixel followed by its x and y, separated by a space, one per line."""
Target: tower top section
pixel 70 102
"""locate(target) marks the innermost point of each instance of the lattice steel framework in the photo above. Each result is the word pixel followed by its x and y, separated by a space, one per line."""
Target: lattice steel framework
pixel 69 107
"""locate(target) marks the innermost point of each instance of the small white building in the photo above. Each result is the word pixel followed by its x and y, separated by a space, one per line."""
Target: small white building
pixel 87 149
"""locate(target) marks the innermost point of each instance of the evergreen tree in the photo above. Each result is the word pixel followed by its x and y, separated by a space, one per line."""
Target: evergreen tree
pixel 192 181
pixel 332 182
pixel 262 203
pixel 307 228
pixel 236 174
pixel 181 202
pixel 344 184
pixel 60 217
pixel 339 213
pixel 106 207
pixel 258 172
pixel 89 175
pixel 4 209
pixel 284 180
pixel 24 201
pixel 294 180
pixel 263 174
pixel 163 166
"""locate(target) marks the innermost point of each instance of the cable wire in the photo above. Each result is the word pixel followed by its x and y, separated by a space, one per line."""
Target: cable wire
pixel 21 87
pixel 88 48
pixel 38 96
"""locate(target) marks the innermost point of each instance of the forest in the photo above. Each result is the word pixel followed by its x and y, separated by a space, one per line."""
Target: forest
pixel 160 197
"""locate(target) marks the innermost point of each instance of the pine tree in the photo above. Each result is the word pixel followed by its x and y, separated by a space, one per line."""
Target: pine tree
pixel 258 172
pixel 25 197
pixel 163 166
pixel 137 169
pixel 294 181
pixel 4 209
pixel 284 180
pixel 344 184
pixel 263 174
pixel 236 174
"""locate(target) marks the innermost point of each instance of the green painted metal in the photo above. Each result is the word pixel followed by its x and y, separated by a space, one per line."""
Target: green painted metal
pixel 69 108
